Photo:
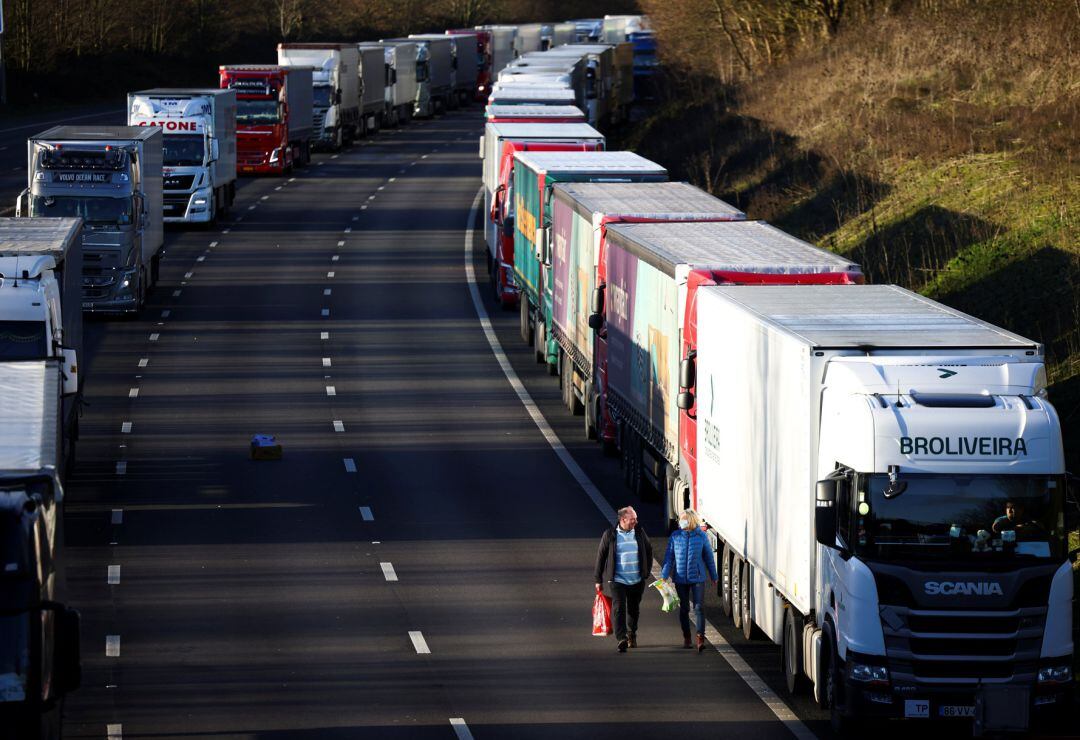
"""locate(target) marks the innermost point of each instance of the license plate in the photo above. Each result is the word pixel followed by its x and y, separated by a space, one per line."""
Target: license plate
pixel 916 708
pixel 950 710
pixel 248 169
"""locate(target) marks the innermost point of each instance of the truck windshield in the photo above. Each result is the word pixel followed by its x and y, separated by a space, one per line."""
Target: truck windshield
pixel 421 71
pixel 95 210
pixel 323 96
pixel 183 150
pixel 957 517
pixel 257 112
pixel 22 340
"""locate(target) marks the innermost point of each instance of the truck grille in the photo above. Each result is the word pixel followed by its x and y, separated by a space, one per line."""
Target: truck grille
pixel 178 182
pixel 317 120
pixel 174 206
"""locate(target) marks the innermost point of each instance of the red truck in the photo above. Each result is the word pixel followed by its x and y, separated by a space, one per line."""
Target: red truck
pixel 483 60
pixel 274 111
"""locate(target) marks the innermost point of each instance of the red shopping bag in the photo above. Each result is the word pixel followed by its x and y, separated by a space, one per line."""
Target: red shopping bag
pixel 601 615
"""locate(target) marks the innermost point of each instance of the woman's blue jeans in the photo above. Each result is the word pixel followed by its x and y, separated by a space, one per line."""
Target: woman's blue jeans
pixel 691 592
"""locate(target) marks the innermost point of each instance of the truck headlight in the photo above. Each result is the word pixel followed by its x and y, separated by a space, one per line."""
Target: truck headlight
pixel 869 673
pixel 1055 674
pixel 200 201
pixel 275 155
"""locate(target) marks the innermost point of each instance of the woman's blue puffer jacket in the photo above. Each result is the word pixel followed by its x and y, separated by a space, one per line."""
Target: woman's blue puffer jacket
pixel 688 554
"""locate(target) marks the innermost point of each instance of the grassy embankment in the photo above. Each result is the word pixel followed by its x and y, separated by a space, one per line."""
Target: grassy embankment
pixel 939 149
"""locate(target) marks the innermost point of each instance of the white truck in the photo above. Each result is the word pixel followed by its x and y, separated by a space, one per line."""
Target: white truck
pixel 463 47
pixel 372 73
pixel 335 81
pixel 400 78
pixel 527 39
pixel 502 46
pixel 41 312
pixel 110 176
pixel 884 481
pixel 198 148
pixel 434 74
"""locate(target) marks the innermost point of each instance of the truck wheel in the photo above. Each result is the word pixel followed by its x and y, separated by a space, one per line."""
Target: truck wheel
pixel 744 601
pixel 725 580
pixel 525 327
pixel 577 408
pixel 736 591
pixel 539 344
pixel 791 652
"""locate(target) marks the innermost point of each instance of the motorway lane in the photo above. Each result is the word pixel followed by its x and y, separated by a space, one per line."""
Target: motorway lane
pixel 252 598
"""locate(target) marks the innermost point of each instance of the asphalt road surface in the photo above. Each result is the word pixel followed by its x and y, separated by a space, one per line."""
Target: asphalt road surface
pixel 419 562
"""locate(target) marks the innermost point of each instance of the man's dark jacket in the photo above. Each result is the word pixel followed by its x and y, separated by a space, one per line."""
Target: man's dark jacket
pixel 604 573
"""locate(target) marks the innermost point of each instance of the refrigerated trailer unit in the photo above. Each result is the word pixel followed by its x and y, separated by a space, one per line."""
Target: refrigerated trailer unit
pixel 527 39
pixel 535 175
pixel 524 94
pixel 400 78
pixel 884 479
pixel 464 49
pixel 502 46
pixel 198 128
pixel 434 74
pixel 111 177
pixel 534 114
pixel 372 83
pixel 335 89
pixel 482 86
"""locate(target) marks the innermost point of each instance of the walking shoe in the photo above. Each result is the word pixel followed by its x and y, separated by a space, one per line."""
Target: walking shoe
pixel 686 640
pixel 633 639
pixel 700 643
pixel 622 646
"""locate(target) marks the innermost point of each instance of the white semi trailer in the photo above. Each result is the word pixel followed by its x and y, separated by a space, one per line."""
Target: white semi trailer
pixel 335 88
pixel 885 482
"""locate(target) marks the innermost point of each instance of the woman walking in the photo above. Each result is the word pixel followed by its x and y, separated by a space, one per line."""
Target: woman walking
pixel 688 559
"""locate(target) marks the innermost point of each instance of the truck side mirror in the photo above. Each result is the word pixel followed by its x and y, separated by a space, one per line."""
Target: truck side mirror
pixel 825 513
pixel 22 204
pixel 541 244
pixel 688 370
pixel 596 318
pixel 67 660
pixel 214 149
pixel 70 371
pixel 685 400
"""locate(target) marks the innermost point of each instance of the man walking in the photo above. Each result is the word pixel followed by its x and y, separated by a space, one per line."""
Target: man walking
pixel 623 562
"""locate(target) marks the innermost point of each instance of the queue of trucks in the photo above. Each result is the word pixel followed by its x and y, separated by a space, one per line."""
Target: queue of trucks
pixel 881 477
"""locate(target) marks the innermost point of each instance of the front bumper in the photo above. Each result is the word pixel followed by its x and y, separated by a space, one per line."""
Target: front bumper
pixel 184 208
pixel 107 295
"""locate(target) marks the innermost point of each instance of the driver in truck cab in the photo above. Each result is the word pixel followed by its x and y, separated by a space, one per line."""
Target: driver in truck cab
pixel 1013 519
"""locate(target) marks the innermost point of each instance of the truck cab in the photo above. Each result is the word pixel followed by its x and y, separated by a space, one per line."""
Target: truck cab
pixel 271 137
pixel 39 649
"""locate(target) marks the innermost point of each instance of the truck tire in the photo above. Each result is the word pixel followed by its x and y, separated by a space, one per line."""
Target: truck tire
pixel 539 344
pixel 736 591
pixel 745 593
pixel 725 580
pixel 525 327
pixel 791 656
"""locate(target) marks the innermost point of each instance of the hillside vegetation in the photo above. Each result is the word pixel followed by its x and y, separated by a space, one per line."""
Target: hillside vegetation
pixel 934 141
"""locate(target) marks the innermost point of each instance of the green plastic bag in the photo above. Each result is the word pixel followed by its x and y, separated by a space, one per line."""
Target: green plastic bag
pixel 668 594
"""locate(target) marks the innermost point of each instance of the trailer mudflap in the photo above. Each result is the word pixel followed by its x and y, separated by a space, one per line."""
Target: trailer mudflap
pixel 1001 709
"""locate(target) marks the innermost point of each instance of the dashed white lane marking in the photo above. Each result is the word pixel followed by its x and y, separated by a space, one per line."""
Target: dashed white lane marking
pixel 121 467
pixel 133 392
pixel 292 179
pixel 392 179
pixel 388 571
pixel 117 516
pixel 350 465
pixel 114 575
pixel 125 428
pixel 769 697
pixel 326 312
pixel 424 156
pixel 335 258
pixel 277 188
pixel 419 643
pixel 366 515
pixel 341 243
pixel 250 208
pixel 114 732
pixel 348 230
pixel 154 337
pixel 363 208
pixel 213 244
pixel 143 362
pixel 457 724
pixel 355 218
pixel 225 231
pixel 176 294
pixel 326 362
pixel 330 390
pixel 335 156
pixel 338 426
pixel 326 291
pixel 371 197
pixel 166 313
pixel 200 258
pixel 381 187
pixel 265 197
pixel 324 335
pixel 112 646
pixel 330 274
pixel 188 275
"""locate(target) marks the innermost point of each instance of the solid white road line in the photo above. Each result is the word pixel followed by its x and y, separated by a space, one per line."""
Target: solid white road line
pixel 114 575
pixel 331 390
pixel 121 467
pixel 460 728
pixel 769 697
pixel 388 571
pixel 117 516
pixel 419 643
pixel 350 465
pixel 114 732
pixel 112 646
pixel 133 393
pixel 144 361
pixel 326 362
pixel 125 428
pixel 338 426
pixel 366 515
